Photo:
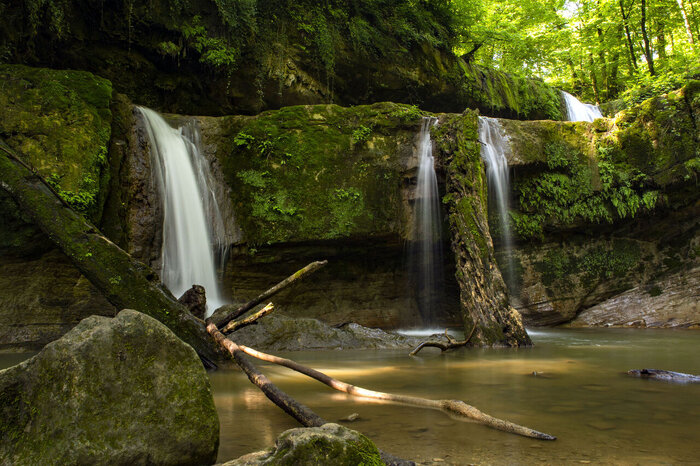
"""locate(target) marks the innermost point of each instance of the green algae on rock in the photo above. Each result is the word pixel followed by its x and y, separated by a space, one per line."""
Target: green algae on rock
pixel 316 172
pixel 328 444
pixel 111 391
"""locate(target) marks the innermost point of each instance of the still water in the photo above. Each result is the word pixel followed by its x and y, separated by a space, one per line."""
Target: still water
pixel 581 395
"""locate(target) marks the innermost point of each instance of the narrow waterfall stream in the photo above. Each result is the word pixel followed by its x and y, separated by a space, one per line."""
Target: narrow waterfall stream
pixel 578 111
pixel 494 148
pixel 192 225
pixel 425 251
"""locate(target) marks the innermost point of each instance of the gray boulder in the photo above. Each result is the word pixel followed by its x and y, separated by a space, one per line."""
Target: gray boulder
pixel 111 391
pixel 330 444
pixel 277 332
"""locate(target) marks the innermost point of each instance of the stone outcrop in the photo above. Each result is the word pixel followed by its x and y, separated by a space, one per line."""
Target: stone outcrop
pixel 482 291
pixel 671 301
pixel 61 122
pixel 328 444
pixel 605 207
pixel 282 333
pixel 111 391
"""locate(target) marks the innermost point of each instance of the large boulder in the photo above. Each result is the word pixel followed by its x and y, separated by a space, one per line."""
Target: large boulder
pixel 328 444
pixel 111 391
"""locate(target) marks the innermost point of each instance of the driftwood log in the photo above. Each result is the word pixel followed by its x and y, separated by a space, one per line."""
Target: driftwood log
pixel 124 281
pixel 452 407
pixel 289 405
pixel 451 343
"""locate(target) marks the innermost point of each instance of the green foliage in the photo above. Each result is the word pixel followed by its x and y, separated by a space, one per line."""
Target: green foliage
pixel 213 51
pixel 243 139
pixel 566 193
pixel 361 134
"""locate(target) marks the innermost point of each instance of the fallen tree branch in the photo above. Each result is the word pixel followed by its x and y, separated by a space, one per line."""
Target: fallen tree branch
pixel 239 324
pixel 455 407
pixel 451 343
pixel 289 405
pixel 227 313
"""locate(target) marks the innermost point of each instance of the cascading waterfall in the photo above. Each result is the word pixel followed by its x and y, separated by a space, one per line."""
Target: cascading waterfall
pixel 425 254
pixel 494 150
pixel 192 224
pixel 578 111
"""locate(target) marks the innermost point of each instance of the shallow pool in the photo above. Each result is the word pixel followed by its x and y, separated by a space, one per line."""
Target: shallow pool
pixel 581 395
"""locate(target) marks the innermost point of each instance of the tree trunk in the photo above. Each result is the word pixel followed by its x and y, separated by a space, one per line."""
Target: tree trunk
pixel 645 37
pixel 630 44
pixel 124 281
pixel 688 28
pixel 594 79
pixel 604 85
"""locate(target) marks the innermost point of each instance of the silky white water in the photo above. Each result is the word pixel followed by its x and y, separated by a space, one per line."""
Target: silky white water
pixel 426 243
pixel 578 111
pixel 192 224
pixel 494 149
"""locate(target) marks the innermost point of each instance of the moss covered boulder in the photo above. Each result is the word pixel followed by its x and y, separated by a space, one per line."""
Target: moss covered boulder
pixel 318 446
pixel 111 391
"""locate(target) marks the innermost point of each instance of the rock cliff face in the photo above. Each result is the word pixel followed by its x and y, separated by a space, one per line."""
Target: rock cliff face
pixel 61 122
pixel 204 57
pixel 607 207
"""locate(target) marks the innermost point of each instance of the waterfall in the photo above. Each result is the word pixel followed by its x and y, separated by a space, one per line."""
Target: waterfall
pixel 578 111
pixel 494 150
pixel 426 242
pixel 192 224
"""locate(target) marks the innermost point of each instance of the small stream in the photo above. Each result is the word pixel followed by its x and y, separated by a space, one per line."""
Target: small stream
pixel 582 396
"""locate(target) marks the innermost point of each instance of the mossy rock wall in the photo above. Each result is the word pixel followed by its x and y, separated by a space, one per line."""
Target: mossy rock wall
pixel 60 123
pixel 324 182
pixel 600 208
pixel 202 57
pixel 317 172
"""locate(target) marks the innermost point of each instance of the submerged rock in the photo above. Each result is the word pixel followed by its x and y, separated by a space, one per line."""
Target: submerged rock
pixel 666 376
pixel 282 333
pixel 328 444
pixel 111 391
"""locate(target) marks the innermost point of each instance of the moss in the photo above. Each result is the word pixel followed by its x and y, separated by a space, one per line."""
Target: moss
pixel 605 171
pixel 304 172
pixel 496 93
pixel 60 121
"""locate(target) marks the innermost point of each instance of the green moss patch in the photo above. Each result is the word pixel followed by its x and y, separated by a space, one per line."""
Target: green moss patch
pixel 60 121
pixel 318 172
